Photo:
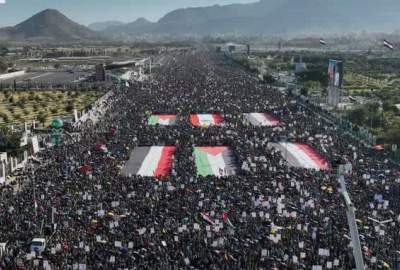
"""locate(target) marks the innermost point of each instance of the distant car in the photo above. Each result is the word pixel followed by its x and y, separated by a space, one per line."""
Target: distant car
pixel 38 245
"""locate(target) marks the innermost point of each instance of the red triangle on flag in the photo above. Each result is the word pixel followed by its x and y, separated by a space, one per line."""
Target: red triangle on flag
pixel 212 150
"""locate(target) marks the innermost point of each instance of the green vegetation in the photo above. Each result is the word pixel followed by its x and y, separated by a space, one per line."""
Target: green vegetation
pixel 24 106
pixel 268 78
pixel 313 80
pixel 10 142
pixel 3 67
pixel 373 78
pixel 383 121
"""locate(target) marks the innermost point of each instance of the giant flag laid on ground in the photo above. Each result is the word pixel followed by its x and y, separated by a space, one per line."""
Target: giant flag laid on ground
pixel 206 120
pixel 301 155
pixel 262 119
pixel 162 119
pixel 214 160
pixel 150 161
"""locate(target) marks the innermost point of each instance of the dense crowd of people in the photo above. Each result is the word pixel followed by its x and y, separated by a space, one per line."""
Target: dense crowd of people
pixel 268 216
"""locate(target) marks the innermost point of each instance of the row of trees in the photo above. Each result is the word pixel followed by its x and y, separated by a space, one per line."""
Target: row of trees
pixel 315 78
pixel 383 120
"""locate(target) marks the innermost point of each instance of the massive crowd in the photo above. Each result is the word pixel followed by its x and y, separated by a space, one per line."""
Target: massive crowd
pixel 280 217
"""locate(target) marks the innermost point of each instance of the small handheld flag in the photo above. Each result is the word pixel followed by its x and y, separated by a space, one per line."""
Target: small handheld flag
pixel 207 218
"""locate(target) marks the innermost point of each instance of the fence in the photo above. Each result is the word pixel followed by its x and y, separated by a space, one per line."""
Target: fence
pixel 359 133
pixel 39 85
pixel 9 164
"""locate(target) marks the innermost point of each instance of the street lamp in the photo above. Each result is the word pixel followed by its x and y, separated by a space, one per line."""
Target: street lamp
pixel 343 169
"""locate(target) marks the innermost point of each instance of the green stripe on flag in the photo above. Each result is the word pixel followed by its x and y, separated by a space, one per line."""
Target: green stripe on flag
pixel 153 120
pixel 202 163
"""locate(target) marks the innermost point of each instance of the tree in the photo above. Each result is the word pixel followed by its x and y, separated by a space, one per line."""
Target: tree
pixel 358 116
pixel 391 136
pixel 54 110
pixel 18 117
pixel 10 142
pixel 20 103
pixel 3 67
pixel 372 107
pixel 312 84
pixel 35 107
pixel 3 51
pixel 389 107
pixel 268 78
pixel 69 107
pixel 5 117
pixel 318 75
pixel 42 117
pixel 304 91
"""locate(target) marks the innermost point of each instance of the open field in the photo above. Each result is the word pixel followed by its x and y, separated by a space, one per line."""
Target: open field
pixel 24 106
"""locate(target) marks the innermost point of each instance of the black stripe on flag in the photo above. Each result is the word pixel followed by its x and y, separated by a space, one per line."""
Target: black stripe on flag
pixel 135 161
pixel 229 159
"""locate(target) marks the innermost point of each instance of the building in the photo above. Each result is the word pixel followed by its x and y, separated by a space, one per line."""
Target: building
pixel 300 66
pixel 100 73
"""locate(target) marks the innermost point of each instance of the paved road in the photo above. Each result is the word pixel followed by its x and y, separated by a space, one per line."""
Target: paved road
pixel 47 76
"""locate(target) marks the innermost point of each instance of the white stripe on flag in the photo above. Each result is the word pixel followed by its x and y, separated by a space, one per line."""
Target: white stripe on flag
pixel 217 163
pixel 262 119
pixel 150 162
pixel 300 156
pixel 164 121
pixel 205 119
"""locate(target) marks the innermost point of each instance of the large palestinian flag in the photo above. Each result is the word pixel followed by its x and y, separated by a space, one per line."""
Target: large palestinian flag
pixel 301 155
pixel 214 160
pixel 262 119
pixel 150 161
pixel 162 119
pixel 206 120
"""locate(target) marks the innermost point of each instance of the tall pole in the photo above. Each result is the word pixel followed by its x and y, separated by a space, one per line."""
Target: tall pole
pixel 150 64
pixel 351 219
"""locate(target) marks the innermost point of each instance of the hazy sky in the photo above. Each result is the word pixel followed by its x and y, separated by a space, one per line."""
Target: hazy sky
pixel 88 11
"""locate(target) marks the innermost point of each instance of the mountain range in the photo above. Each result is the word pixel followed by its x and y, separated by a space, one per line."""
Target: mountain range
pixel 100 26
pixel 287 18
pixel 272 17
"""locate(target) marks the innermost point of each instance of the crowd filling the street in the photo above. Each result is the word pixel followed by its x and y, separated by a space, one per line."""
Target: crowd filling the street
pixel 202 167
